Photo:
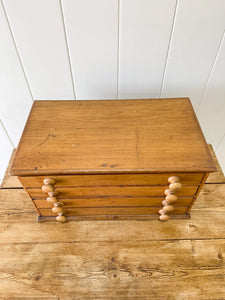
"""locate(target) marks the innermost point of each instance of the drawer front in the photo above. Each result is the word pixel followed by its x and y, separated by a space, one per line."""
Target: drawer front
pixel 104 202
pixel 113 180
pixel 132 191
pixel 113 211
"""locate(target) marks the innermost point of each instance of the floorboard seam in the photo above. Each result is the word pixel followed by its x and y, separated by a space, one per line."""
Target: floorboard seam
pixel 110 242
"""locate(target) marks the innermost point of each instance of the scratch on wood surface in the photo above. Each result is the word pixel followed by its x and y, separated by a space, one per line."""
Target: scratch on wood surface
pixel 49 135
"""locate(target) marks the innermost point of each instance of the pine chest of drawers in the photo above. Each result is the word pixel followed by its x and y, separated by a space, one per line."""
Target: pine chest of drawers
pixel 112 159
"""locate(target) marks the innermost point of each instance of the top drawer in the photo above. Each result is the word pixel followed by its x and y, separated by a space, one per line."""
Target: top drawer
pixel 113 180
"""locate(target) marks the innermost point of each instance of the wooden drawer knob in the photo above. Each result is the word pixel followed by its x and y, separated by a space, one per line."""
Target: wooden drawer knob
pixel 174 183
pixel 49 181
pixel 171 198
pixel 168 192
pixel 164 217
pixel 168 208
pixel 59 203
pixel 57 209
pixel 53 194
pixel 175 186
pixel 52 199
pixel 48 188
pixel 164 203
pixel 61 218
pixel 173 179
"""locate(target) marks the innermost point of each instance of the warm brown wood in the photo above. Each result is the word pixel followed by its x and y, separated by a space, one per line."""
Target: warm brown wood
pixel 101 202
pixel 171 198
pixel 198 191
pixel 61 218
pixel 58 208
pixel 116 218
pixel 49 181
pixel 113 149
pixel 17 223
pixel 113 180
pixel 139 210
pixel 173 179
pixel 189 269
pixel 10 181
pixel 167 208
pixel 51 200
pixel 164 217
pixel 131 191
pixel 150 135
pixel 175 186
pixel 215 177
pixel 48 188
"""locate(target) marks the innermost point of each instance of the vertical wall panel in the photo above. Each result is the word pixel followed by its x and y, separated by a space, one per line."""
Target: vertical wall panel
pixel 38 31
pixel 92 30
pixel 198 30
pixel 220 153
pixel 15 98
pixel 5 151
pixel 211 113
pixel 145 28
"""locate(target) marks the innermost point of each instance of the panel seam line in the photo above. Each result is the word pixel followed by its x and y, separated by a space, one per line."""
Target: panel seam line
pixel 211 71
pixel 67 49
pixel 6 132
pixel 118 50
pixel 168 49
pixel 17 51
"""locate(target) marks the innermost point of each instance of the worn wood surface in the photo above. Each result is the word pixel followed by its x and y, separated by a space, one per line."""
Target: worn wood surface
pixel 215 177
pixel 104 202
pixel 131 191
pixel 113 136
pixel 180 259
pixel 113 180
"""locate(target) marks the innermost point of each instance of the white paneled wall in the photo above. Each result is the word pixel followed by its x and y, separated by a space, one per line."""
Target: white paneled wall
pixel 145 28
pixel 15 97
pixel 37 27
pixel 109 49
pixel 92 30
pixel 211 112
pixel 221 154
pixel 6 148
pixel 198 29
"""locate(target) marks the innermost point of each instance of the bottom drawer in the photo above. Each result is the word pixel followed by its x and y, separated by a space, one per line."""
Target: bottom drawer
pixel 144 210
pixel 108 202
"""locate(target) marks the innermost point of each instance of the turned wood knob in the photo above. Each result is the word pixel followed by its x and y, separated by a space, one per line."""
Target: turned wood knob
pixel 174 183
pixel 48 188
pixel 168 208
pixel 59 203
pixel 52 199
pixel 168 192
pixel 164 217
pixel 164 202
pixel 57 209
pixel 175 186
pixel 49 181
pixel 173 179
pixel 53 194
pixel 171 198
pixel 61 218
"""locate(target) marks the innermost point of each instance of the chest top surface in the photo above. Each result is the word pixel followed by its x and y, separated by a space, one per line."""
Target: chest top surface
pixel 112 136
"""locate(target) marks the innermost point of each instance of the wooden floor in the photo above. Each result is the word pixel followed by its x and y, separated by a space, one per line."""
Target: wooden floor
pixel 180 259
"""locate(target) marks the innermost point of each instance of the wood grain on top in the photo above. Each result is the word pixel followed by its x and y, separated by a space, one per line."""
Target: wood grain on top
pixel 109 136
